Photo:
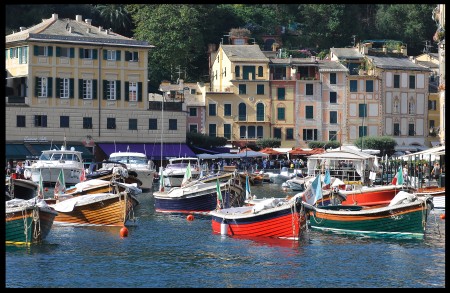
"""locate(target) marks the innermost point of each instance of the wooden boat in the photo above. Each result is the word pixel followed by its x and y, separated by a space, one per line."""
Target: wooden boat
pixel 369 196
pixel 404 217
pixel 200 196
pixel 20 188
pixel 115 171
pixel 274 217
pixel 436 192
pixel 98 209
pixel 254 178
pixel 95 186
pixel 28 221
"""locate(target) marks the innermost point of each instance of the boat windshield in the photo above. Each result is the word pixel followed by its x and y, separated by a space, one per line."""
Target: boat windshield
pixel 130 160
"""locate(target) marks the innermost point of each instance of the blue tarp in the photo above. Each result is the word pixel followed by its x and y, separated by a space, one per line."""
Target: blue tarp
pixel 153 151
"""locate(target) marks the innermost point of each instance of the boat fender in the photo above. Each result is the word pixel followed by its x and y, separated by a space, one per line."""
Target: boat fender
pixel 27 174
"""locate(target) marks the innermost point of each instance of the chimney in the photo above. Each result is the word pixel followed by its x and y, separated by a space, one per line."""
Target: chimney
pixel 70 29
pixel 88 30
pixel 54 16
pixel 78 18
pixel 100 28
pixel 88 21
pixel 22 28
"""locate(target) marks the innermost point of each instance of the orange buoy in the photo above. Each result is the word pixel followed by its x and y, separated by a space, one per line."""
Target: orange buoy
pixel 190 217
pixel 124 232
pixel 442 216
pixel 46 189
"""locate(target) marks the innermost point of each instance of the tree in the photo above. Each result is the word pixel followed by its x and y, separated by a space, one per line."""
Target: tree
pixel 116 16
pixel 204 141
pixel 324 144
pixel 268 143
pixel 385 144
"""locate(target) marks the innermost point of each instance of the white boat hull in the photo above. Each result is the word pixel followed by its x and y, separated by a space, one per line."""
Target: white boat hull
pixel 50 175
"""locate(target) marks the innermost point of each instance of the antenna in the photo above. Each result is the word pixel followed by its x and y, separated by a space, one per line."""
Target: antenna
pixel 426 50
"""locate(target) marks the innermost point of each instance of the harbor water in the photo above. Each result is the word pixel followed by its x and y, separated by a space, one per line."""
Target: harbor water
pixel 167 250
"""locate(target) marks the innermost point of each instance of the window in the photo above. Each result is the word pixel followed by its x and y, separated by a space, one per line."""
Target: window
pixel 111 123
pixel 212 130
pixel 411 107
pixel 251 130
pixel 193 128
pixel 14 53
pixel 88 88
pixel 23 55
pixel 63 52
pixel 333 117
pixel 353 86
pixel 281 92
pixel 40 120
pixel 289 133
pixel 152 124
pixel 173 124
pixel 412 81
pixel 212 109
pixel 309 134
pixel 237 71
pixel 193 91
pixel 397 129
pixel 227 110
pixel 431 123
pixel 260 132
pixel 87 53
pixel 332 78
pixel 333 97
pixel 192 112
pixel 369 86
pixel 42 51
pixel 277 132
pixel 132 124
pixel 309 112
pixel 43 87
pixel 131 56
pixel 281 113
pixel 411 130
pixel 64 122
pixel 396 81
pixel 362 110
pixel 332 135
pixel 432 105
pixel 111 55
pixel 242 89
pixel 242 132
pixel 21 121
pixel 242 112
pixel 309 89
pixel 362 131
pixel 260 71
pixel 260 112
pixel 87 122
pixel 132 91
pixel 396 105
pixel 227 131
pixel 64 88
pixel 260 89
pixel 110 89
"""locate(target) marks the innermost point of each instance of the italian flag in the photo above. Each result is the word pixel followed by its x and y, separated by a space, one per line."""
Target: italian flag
pixel 60 186
pixel 398 179
pixel 161 179
pixel 219 195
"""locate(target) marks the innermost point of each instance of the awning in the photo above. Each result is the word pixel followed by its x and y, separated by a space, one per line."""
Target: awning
pixel 17 151
pixel 153 151
pixel 38 148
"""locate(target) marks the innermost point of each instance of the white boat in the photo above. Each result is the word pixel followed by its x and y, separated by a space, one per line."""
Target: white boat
pixel 51 162
pixel 296 183
pixel 175 170
pixel 137 162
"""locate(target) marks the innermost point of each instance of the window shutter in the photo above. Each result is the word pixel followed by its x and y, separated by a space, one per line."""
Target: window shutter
pixel 127 56
pixel 36 87
pixel 72 52
pixel 105 86
pixel 127 91
pixel 94 54
pixel 117 90
pixel 105 54
pixel 36 50
pixel 58 52
pixel 71 86
pixel 10 53
pixel 44 121
pixel 58 87
pixel 50 87
pixel 94 89
pixel 81 53
pixel 80 89
pixel 118 53
pixel 36 120
pixel 50 51
pixel 139 91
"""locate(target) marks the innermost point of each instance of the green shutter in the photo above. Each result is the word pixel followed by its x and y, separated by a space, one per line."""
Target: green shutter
pixel 127 89
pixel 118 90
pixel 58 87
pixel 105 54
pixel 71 85
pixel 105 85
pixel 80 89
pixel 11 53
pixel 58 52
pixel 72 52
pixel 50 87
pixel 94 54
pixel 118 55
pixel 81 53
pixel 94 89
pixel 139 92
pixel 36 87
pixel 25 52
pixel 50 51
pixel 127 55
pixel 36 50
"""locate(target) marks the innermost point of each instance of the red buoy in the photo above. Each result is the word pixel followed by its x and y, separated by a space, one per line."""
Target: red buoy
pixel 124 232
pixel 190 217
pixel 442 216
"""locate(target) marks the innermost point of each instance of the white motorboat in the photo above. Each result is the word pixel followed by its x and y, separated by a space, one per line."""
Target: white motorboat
pixel 175 170
pixel 51 162
pixel 137 162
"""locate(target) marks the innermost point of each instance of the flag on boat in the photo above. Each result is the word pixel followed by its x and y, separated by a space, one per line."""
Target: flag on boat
pixel 60 186
pixel 219 195
pixel 161 180
pixel 41 186
pixel 327 179
pixel 248 192
pixel 313 192
pixel 398 178
pixel 187 175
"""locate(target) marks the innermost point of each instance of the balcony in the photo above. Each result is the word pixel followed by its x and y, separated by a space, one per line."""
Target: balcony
pixel 17 101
